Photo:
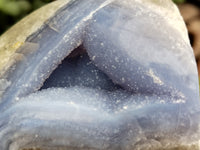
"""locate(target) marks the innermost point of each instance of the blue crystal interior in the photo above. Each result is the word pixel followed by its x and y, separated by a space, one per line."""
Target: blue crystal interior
pixel 78 70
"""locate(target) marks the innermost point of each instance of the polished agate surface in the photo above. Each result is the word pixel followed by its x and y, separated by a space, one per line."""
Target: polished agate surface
pixel 99 74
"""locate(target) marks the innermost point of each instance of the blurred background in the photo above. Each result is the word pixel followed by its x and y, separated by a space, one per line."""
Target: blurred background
pixel 12 11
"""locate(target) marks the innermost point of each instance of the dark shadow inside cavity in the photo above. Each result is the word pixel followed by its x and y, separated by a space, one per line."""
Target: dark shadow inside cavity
pixel 191 36
pixel 78 70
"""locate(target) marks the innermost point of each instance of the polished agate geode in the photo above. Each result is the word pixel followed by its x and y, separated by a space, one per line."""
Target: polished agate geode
pixel 99 74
